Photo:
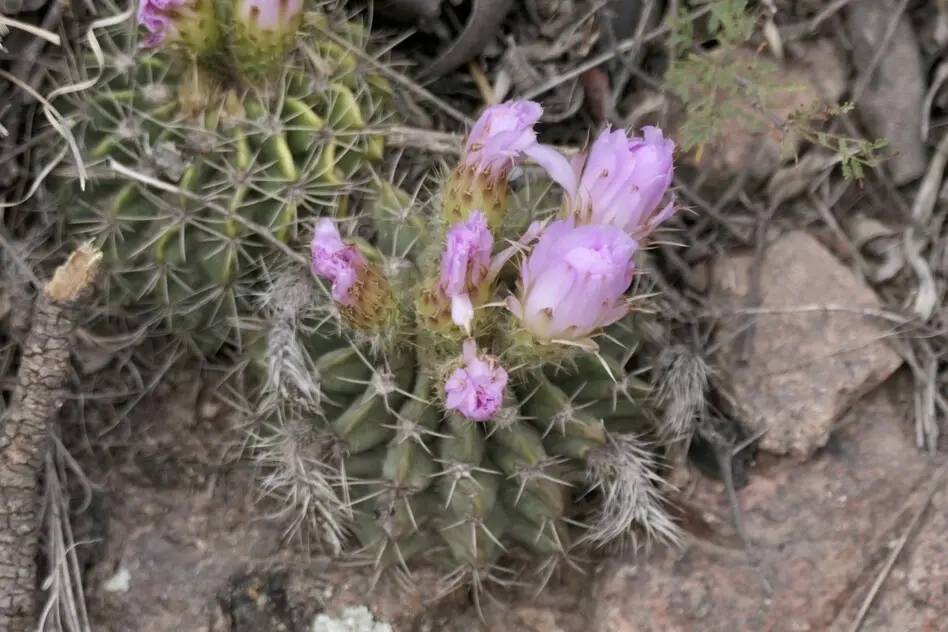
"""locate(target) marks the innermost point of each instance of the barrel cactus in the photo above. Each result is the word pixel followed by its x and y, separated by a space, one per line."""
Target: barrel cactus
pixel 205 133
pixel 461 389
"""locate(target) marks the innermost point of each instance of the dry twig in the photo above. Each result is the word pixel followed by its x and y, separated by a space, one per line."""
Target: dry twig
pixel 24 442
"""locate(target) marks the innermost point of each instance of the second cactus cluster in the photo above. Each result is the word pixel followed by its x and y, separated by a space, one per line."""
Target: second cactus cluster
pixel 202 134
pixel 460 389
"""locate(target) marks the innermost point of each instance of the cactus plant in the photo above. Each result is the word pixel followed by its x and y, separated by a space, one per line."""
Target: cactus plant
pixel 461 389
pixel 207 133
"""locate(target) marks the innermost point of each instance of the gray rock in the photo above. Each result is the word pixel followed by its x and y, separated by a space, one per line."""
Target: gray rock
pixel 892 104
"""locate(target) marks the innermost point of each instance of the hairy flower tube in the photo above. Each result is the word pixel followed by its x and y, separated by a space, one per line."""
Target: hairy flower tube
pixel 500 138
pixel 476 389
pixel 269 15
pixel 619 181
pixel 358 286
pixel 574 281
pixel 264 33
pixel 188 24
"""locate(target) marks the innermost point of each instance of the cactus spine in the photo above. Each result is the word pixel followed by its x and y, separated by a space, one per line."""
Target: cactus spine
pixel 206 161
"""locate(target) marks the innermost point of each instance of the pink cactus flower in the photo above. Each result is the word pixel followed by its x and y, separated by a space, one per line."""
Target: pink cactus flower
pixel 574 281
pixel 336 260
pixel 156 16
pixel 476 390
pixel 465 263
pixel 501 137
pixel 619 181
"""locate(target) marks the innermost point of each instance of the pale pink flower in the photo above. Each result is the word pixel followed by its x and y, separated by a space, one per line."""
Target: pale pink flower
pixel 574 281
pixel 619 181
pixel 476 390
pixel 336 260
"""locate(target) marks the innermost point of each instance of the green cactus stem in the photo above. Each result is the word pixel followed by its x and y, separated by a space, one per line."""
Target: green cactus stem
pixel 200 180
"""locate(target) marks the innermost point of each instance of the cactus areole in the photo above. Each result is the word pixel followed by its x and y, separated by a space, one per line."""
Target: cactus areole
pixel 478 405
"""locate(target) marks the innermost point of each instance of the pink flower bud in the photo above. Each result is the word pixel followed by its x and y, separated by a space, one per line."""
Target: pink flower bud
pixel 335 260
pixel 574 281
pixel 465 262
pixel 476 390
pixel 619 181
pixel 155 16
pixel 191 24
pixel 359 286
pixel 500 137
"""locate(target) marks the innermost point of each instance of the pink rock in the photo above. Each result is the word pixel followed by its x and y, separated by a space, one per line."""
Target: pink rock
pixel 804 368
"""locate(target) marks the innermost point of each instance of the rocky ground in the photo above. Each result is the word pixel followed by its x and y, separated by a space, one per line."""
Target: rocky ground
pixel 820 304
pixel 848 530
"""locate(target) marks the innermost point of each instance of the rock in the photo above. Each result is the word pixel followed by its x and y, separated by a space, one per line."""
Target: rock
pixel 927 567
pixel 827 69
pixel 804 369
pixel 176 552
pixel 565 605
pixel 355 619
pixel 892 104
pixel 820 530
pixel 916 593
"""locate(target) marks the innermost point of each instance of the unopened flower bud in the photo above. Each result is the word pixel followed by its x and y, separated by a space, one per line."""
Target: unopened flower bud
pixel 359 287
pixel 501 138
pixel 465 262
pixel 186 25
pixel 448 301
pixel 476 389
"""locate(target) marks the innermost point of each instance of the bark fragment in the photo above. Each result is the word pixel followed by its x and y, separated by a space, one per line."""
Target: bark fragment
pixel 24 430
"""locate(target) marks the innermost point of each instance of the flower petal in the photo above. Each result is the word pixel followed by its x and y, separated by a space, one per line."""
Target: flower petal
pixel 476 389
pixel 462 311
pixel 500 136
pixel 556 165
pixel 624 180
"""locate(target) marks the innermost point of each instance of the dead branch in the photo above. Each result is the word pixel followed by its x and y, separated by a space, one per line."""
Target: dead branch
pixel 24 440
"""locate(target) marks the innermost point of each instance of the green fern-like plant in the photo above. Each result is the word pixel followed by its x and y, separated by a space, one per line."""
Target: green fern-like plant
pixel 729 84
